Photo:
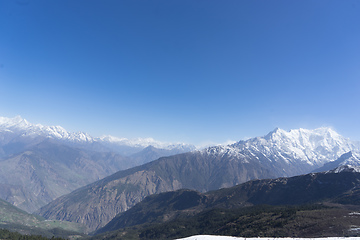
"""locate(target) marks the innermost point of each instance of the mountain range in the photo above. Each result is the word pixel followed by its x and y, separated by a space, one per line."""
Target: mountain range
pixel 41 163
pixel 278 154
pixel 189 211
pixel 17 133
pixel 93 181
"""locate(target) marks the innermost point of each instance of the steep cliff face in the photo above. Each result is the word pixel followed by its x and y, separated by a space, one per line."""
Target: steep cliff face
pixel 96 204
pixel 103 202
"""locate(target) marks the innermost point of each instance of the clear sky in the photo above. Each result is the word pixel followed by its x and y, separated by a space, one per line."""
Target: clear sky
pixel 192 71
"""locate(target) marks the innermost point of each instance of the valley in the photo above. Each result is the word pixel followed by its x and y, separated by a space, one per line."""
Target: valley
pixel 40 163
pixel 107 187
pixel 313 205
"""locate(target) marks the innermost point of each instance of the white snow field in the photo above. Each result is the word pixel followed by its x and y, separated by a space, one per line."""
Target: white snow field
pixel 213 237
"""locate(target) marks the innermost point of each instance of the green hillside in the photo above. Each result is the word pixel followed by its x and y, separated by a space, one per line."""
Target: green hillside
pixel 8 235
pixel 17 220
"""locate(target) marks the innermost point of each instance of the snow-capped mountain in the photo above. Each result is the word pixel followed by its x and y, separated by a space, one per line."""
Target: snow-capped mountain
pixel 345 168
pixel 278 154
pixel 290 152
pixel 40 163
pixel 311 146
pixel 131 146
pixel 141 142
pixel 345 161
pixel 22 128
pixel 19 129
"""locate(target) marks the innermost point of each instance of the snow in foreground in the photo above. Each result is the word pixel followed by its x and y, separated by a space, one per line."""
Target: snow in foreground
pixel 209 237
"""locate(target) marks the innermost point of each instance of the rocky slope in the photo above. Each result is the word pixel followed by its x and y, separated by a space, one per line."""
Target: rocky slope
pixel 277 154
pixel 334 187
pixel 310 188
pixel 96 204
pixel 48 170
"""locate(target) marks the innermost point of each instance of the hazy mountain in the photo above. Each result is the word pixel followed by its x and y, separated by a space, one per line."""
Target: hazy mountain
pixel 337 186
pixel 96 204
pixel 349 158
pixel 16 134
pixel 130 147
pixel 279 153
pixel 151 153
pixel 48 170
pixel 40 163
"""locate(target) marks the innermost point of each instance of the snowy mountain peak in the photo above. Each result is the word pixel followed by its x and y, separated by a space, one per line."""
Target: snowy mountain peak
pixel 312 135
pixel 349 158
pixel 276 132
pixel 17 121
pixel 323 137
pixel 21 127
pixel 310 147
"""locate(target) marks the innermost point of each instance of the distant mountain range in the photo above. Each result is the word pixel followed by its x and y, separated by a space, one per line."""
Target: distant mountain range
pixel 18 131
pixel 49 169
pixel 41 163
pixel 278 154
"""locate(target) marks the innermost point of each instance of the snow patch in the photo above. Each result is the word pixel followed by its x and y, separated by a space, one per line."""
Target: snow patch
pixel 345 168
pixel 212 237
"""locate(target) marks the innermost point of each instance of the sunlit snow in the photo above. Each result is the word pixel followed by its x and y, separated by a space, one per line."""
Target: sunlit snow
pixel 314 147
pixel 23 128
pixel 211 237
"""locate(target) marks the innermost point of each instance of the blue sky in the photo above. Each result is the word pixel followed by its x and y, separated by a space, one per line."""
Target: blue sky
pixel 189 71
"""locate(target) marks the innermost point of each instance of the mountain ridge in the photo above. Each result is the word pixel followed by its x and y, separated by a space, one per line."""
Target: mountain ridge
pixel 23 128
pixel 332 188
pixel 350 158
pixel 208 169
